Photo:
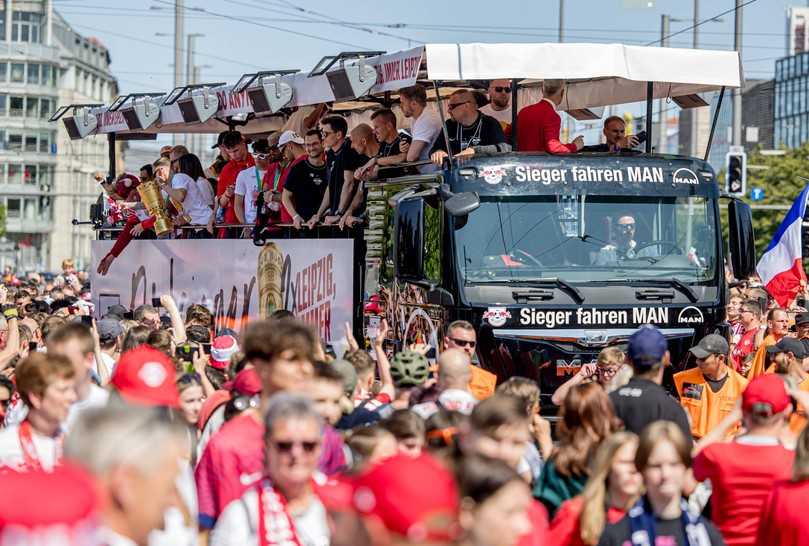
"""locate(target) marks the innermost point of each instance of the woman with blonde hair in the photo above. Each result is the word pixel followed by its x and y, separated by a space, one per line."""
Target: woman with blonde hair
pixel 610 370
pixel 661 515
pixel 613 487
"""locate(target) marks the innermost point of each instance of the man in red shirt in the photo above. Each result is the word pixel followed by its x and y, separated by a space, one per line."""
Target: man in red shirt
pixel 750 317
pixel 283 352
pixel 538 125
pixel 234 145
pixel 743 472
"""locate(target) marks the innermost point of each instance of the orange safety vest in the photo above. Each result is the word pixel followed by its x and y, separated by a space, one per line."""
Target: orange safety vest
pixel 482 383
pixel 757 368
pixel 705 407
pixel 797 421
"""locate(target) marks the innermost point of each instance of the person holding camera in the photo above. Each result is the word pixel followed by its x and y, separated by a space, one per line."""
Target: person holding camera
pixel 616 139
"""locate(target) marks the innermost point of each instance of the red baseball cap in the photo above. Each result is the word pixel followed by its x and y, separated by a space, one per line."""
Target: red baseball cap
pixel 146 376
pixel 246 383
pixel 58 507
pixel 396 493
pixel 765 393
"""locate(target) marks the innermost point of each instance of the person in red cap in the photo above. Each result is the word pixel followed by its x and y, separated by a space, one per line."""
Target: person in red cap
pixel 145 376
pixel 49 508
pixel 46 385
pixel 282 508
pixel 743 471
pixel 282 353
pixel 399 507
pixel 132 452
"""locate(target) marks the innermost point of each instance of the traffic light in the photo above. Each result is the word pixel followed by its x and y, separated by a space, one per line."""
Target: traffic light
pixel 736 173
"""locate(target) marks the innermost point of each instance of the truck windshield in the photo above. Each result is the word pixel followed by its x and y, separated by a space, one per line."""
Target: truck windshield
pixel 581 238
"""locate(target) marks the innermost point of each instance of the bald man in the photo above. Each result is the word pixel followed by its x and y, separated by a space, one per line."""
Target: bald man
pixel 365 144
pixel 454 373
pixel 468 130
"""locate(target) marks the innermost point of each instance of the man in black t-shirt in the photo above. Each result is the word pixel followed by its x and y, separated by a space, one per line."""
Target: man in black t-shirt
pixel 341 162
pixel 392 148
pixel 643 400
pixel 468 130
pixel 306 182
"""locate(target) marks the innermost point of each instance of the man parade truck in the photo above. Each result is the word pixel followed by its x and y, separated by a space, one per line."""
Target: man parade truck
pixel 550 257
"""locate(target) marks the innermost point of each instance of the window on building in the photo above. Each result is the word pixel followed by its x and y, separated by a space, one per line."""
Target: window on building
pixel 26 26
pixel 17 72
pixel 32 107
pixel 3 104
pixel 15 142
pixel 30 174
pixel 2 141
pixel 46 175
pixel 33 73
pixel 14 173
pixel 30 143
pixel 46 74
pixel 45 142
pixel 16 106
pixel 30 208
pixel 3 67
pixel 45 108
pixel 13 207
pixel 2 173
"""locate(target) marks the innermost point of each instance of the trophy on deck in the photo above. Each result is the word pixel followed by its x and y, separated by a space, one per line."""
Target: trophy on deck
pixel 153 201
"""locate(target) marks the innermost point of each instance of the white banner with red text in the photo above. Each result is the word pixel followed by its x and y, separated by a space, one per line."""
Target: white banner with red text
pixel 236 280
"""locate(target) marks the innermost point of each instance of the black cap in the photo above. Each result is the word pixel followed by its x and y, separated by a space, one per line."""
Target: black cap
pixel 219 139
pixel 228 139
pixel 802 318
pixel 712 344
pixel 789 345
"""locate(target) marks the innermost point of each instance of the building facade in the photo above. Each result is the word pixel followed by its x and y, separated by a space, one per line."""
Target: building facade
pixel 791 100
pixel 46 180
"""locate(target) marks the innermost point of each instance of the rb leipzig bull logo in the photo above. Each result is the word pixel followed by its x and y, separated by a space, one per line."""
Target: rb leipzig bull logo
pixel 497 316
pixel 493 175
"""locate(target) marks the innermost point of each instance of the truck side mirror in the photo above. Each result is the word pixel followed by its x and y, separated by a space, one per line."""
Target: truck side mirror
pixel 462 204
pixel 742 239
pixel 408 244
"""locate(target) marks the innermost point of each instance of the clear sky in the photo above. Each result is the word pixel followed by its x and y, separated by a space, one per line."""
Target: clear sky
pixel 245 35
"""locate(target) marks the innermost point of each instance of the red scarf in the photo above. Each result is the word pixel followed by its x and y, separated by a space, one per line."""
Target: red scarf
pixel 29 451
pixel 275 525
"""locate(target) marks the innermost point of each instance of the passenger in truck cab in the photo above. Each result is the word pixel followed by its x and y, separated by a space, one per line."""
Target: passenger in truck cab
pixel 615 137
pixel 709 392
pixel 468 130
pixel 539 124
pixel 623 245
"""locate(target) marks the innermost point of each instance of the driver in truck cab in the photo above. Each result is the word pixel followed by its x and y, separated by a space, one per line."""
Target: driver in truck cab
pixel 624 244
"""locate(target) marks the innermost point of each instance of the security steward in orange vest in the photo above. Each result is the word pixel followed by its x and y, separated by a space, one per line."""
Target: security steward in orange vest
pixel 708 393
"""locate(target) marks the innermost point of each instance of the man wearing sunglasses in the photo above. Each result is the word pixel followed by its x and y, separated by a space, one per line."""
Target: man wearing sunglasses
pixel 249 182
pixel 468 130
pixel 499 106
pixel 461 335
pixel 623 245
pixel 235 147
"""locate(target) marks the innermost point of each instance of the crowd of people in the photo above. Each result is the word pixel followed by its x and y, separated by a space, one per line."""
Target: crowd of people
pixel 313 171
pixel 148 427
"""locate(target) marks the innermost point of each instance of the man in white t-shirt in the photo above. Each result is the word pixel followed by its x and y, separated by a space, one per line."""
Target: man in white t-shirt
pixel 46 385
pixel 499 106
pixel 75 342
pixel 426 125
pixel 249 183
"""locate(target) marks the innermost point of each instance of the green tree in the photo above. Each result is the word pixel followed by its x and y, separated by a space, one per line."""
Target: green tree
pixel 781 181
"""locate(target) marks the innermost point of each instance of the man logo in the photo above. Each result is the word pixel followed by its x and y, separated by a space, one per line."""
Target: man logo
pixel 497 316
pixel 690 315
pixel 684 176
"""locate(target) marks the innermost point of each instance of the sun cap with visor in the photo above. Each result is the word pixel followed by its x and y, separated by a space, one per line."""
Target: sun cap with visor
pixel 647 347
pixel 231 139
pixel 765 395
pixel 789 345
pixel 712 344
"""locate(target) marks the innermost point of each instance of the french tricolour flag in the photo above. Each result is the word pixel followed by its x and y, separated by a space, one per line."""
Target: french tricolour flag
pixel 781 266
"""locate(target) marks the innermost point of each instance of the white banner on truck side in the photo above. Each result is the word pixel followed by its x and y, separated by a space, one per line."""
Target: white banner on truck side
pixel 236 280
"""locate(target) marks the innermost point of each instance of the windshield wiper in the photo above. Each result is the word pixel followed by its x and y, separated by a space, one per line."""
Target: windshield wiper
pixel 574 292
pixel 674 283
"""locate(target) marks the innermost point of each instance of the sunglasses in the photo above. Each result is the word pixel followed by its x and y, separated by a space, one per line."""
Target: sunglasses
pixel 262 157
pixel 287 447
pixel 464 342
pixel 626 227
pixel 452 106
pixel 503 89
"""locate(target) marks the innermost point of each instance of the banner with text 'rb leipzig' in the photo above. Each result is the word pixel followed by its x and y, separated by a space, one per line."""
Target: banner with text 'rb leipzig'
pixel 235 279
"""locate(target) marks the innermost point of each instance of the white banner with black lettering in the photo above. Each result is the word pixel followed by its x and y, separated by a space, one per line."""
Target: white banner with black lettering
pixel 235 279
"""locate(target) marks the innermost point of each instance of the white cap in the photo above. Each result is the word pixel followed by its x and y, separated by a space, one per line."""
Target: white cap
pixel 289 136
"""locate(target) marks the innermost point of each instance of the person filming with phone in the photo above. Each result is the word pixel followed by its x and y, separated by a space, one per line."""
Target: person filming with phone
pixel 616 137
